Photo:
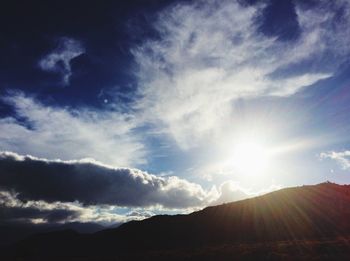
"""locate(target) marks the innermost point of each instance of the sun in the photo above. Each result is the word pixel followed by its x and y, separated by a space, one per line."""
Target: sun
pixel 250 157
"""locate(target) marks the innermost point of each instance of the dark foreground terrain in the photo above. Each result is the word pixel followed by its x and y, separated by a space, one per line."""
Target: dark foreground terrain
pixel 302 223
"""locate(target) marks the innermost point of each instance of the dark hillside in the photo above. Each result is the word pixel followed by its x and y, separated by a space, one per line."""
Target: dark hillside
pixel 281 219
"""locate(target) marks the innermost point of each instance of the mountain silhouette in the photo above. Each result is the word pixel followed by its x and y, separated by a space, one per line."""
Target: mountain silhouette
pixel 12 232
pixel 304 221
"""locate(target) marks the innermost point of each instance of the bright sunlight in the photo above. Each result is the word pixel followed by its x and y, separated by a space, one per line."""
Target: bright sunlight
pixel 250 157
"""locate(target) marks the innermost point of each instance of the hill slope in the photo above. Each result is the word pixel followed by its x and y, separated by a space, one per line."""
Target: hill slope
pixel 302 214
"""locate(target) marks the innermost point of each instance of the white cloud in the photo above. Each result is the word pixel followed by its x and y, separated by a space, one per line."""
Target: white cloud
pixel 341 157
pixel 328 26
pixel 230 191
pixel 211 53
pixel 66 133
pixel 59 59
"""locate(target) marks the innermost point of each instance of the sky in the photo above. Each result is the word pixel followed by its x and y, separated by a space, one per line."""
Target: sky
pixel 119 110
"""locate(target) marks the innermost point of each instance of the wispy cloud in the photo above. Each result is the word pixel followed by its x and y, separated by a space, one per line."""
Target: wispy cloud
pixel 341 157
pixel 211 53
pixel 59 59
pixel 66 133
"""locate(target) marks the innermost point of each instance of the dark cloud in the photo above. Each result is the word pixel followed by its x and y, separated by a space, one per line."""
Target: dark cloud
pixel 59 215
pixel 25 214
pixel 13 210
pixel 91 183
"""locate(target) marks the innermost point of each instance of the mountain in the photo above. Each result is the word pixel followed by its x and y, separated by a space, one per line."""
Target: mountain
pixel 308 221
pixel 12 232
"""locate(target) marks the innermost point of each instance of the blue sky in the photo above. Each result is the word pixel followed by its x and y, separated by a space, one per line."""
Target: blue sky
pixel 184 103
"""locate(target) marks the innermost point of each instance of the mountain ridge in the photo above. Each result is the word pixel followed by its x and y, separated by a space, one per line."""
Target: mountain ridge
pixel 312 212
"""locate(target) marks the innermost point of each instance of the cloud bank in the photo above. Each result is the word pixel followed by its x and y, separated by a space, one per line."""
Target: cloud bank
pixel 15 211
pixel 38 190
pixel 92 183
